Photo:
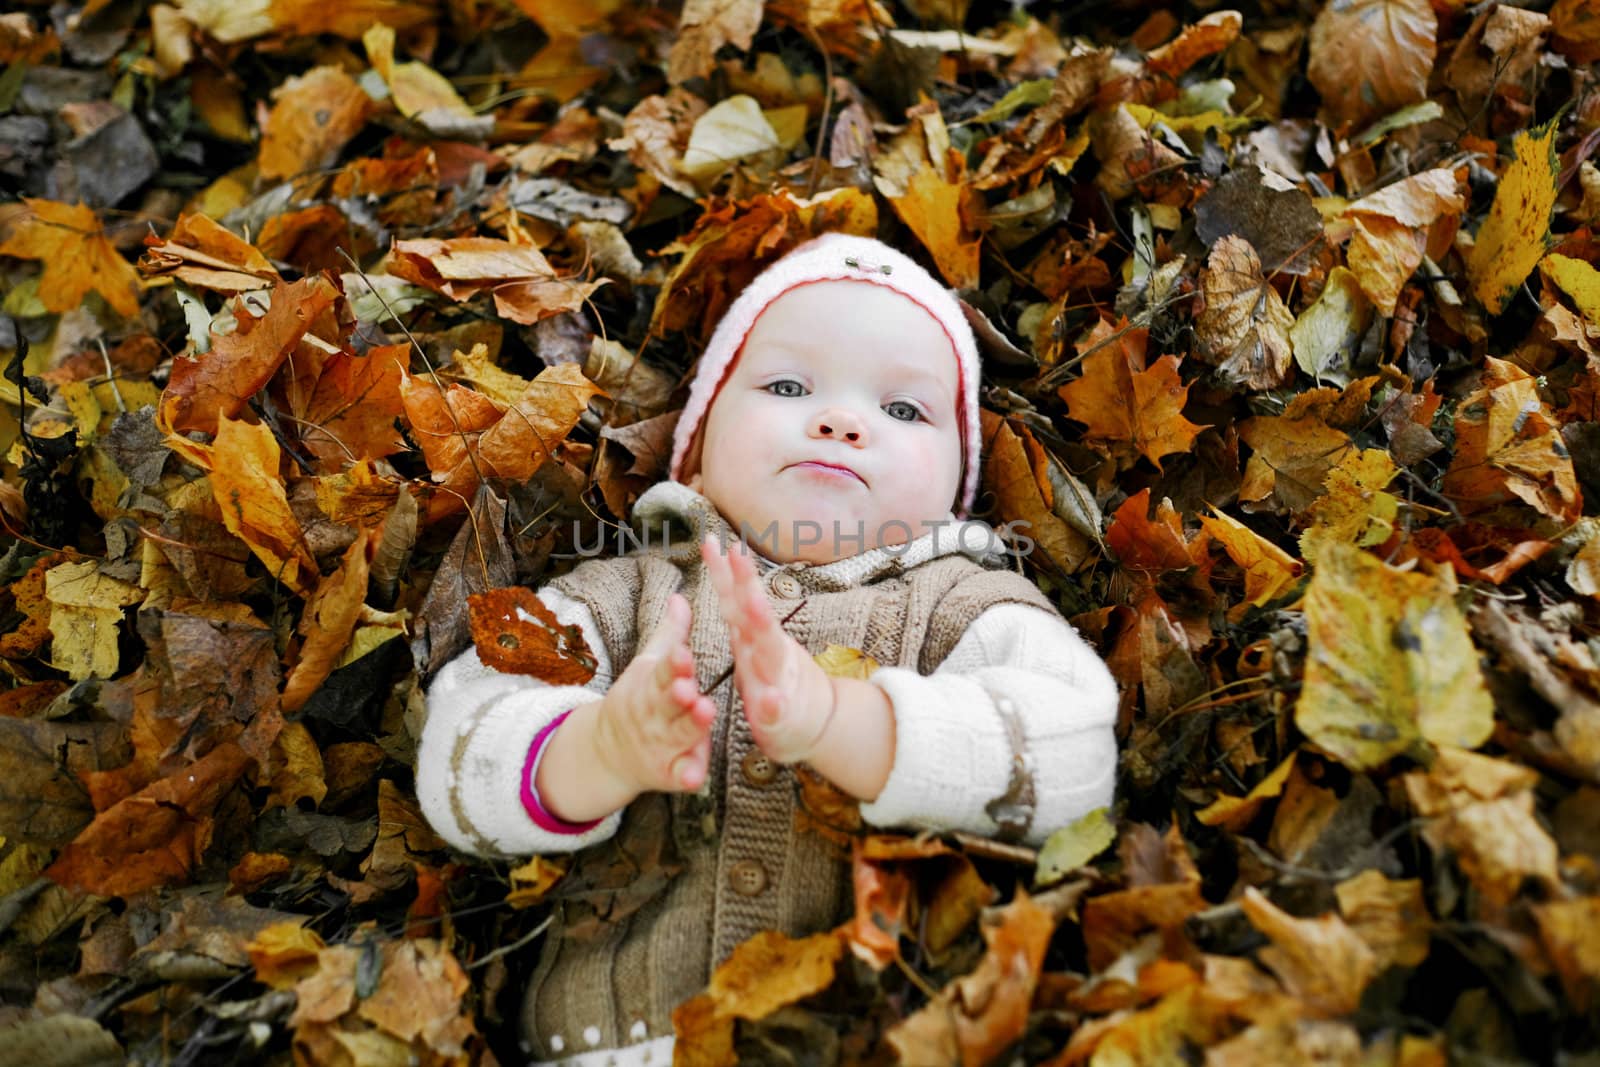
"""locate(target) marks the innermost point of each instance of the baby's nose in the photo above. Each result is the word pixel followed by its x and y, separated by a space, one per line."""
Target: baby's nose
pixel 840 425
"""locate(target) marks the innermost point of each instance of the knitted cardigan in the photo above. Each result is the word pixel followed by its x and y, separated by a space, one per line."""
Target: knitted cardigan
pixel 1003 720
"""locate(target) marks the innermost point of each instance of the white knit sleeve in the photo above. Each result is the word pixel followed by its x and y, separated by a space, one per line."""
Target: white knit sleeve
pixel 1020 691
pixel 475 742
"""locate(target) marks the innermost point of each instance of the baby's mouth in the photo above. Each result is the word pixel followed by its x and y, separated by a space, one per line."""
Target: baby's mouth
pixel 835 469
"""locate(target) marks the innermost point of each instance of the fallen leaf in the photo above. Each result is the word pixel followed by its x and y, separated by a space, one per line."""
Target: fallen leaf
pixel 881 895
pixel 1268 569
pixel 1389 232
pixel 733 130
pixel 1390 666
pixel 1570 933
pixel 1481 810
pixel 313 117
pixel 326 624
pixel 219 384
pixel 923 177
pixel 1320 961
pixel 77 256
pixel 1134 409
pixel 420 92
pixel 205 255
pixel 42 800
pixel 1236 813
pixel 1355 509
pixel 86 618
pixel 1577 279
pixel 977 1017
pixel 1010 474
pixel 1370 57
pixel 1073 846
pixel 1508 449
pixel 1327 334
pixel 1513 239
pixel 1575 29
pixel 1213 33
pixel 514 632
pixel 255 507
pixel 705 26
pixel 1291 461
pixel 1244 329
pixel 1390 915
pixel 284 953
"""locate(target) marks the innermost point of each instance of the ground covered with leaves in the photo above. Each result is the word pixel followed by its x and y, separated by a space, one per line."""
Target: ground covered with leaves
pixel 323 318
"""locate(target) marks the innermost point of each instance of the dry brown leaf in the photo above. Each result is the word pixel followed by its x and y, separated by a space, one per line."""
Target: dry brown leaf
pixel 1509 449
pixel 327 622
pixel 1391 916
pixel 201 253
pixel 704 27
pixel 514 632
pixel 1244 328
pixel 1371 57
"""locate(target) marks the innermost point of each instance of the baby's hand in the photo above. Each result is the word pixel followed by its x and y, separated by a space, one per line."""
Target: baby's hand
pixel 653 731
pixel 788 700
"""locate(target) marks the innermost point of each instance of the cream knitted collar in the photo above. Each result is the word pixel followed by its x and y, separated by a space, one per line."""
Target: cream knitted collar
pixel 677 518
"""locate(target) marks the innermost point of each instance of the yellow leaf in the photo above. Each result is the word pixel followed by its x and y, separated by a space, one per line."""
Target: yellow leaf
pixel 1355 510
pixel 313 116
pixel 531 881
pixel 1268 569
pixel 1073 846
pixel 418 90
pixel 1390 916
pixel 85 615
pixel 1327 333
pixel 1235 813
pixel 1389 231
pixel 255 506
pixel 296 764
pixel 284 953
pixel 1513 238
pixel 490 379
pixel 837 661
pixel 1390 665
pixel 78 258
pixel 1509 448
pixel 1578 280
pixel 1321 961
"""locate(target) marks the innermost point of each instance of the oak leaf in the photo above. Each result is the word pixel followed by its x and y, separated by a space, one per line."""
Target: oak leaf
pixel 1137 410
pixel 1371 57
pixel 1513 239
pixel 1244 328
pixel 78 258
pixel 1390 666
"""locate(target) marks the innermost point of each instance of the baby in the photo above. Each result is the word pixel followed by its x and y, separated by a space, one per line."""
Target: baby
pixel 820 472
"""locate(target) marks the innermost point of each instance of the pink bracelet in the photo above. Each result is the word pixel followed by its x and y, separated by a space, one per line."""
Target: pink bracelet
pixel 530 796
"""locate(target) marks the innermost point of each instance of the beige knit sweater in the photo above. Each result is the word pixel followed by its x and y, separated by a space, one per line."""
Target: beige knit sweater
pixel 1003 720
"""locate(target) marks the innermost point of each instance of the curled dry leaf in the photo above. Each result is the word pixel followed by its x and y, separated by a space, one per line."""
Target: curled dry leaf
pixel 1389 232
pixel 1321 961
pixel 1244 329
pixel 205 255
pixel 1508 449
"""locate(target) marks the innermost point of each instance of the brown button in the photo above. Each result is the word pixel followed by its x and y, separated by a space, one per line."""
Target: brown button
pixel 748 878
pixel 787 586
pixel 758 769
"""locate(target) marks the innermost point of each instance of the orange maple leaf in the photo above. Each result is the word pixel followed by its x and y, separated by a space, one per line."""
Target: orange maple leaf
pixel 77 256
pixel 1134 409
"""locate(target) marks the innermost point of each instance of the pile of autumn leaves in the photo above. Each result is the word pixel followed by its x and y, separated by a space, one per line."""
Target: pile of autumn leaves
pixel 1313 484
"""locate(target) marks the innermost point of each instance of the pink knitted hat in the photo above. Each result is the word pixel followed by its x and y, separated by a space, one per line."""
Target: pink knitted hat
pixel 833 257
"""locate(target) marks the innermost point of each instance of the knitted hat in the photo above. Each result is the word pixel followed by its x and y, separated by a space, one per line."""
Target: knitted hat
pixel 840 257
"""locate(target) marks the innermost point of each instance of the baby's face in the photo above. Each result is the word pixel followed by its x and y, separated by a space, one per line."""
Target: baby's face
pixel 841 408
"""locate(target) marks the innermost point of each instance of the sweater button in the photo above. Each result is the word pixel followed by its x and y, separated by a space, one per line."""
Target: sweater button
pixel 787 586
pixel 758 769
pixel 747 878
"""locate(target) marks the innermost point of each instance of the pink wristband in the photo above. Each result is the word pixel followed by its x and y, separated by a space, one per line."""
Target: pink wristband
pixel 530 796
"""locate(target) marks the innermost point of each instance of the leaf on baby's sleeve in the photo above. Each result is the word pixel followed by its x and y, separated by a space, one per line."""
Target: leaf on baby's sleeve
pixel 517 634
pixel 838 661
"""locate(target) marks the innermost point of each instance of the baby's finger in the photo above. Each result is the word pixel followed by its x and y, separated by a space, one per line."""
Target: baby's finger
pixel 689 769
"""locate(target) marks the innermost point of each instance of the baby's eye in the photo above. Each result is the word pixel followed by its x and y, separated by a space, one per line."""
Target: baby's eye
pixel 786 387
pixel 902 410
